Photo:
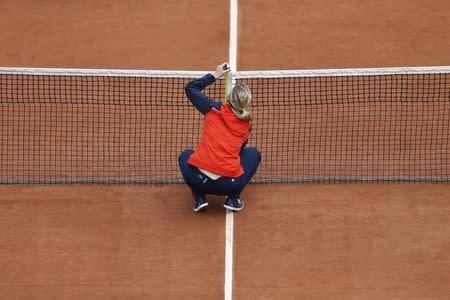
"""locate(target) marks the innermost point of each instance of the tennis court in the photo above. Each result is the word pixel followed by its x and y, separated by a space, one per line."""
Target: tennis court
pixel 352 197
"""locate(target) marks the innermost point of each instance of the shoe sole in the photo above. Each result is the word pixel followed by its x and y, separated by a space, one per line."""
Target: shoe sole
pixel 233 208
pixel 200 207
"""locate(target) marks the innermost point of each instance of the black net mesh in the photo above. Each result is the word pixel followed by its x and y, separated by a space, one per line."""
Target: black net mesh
pixel 112 129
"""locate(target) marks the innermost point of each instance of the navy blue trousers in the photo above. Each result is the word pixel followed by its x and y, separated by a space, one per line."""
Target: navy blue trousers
pixel 201 184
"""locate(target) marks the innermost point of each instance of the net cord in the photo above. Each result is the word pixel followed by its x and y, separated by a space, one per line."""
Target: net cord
pixel 234 75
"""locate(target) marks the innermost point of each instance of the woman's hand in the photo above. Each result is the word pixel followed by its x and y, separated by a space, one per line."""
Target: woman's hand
pixel 221 70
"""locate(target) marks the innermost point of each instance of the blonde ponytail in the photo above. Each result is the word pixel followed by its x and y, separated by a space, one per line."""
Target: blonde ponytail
pixel 239 99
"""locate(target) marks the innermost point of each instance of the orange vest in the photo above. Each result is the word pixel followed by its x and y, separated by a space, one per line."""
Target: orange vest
pixel 221 142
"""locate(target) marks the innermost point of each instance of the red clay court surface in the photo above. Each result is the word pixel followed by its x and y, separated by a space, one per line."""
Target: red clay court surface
pixel 351 241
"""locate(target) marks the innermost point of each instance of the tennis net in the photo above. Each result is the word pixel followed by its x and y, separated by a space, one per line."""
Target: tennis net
pixel 116 126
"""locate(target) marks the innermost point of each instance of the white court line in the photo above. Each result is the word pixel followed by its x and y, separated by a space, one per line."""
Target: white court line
pixel 229 219
pixel 229 224
pixel 232 54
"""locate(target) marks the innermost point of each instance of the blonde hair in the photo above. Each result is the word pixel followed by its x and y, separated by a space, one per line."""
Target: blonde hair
pixel 239 99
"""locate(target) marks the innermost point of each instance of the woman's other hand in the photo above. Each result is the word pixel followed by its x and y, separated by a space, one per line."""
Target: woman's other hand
pixel 221 70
